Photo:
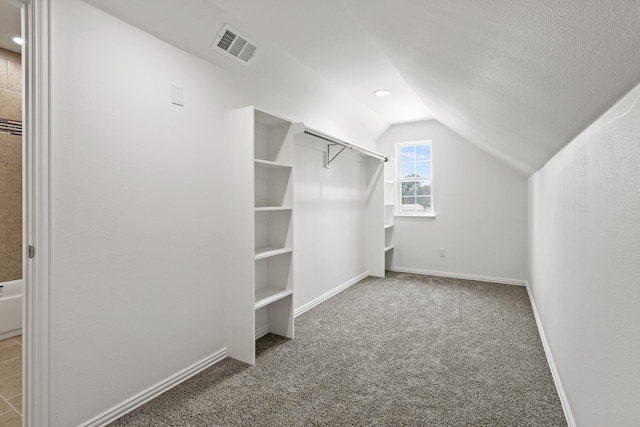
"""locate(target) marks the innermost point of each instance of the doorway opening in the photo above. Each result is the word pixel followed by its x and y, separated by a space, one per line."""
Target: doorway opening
pixel 12 215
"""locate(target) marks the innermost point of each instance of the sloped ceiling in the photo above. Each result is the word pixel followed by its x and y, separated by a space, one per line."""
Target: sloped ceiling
pixel 518 78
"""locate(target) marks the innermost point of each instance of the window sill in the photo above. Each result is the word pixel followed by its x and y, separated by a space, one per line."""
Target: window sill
pixel 429 217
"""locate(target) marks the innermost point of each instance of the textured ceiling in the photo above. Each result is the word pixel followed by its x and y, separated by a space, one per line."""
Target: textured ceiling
pixel 518 78
pixel 327 38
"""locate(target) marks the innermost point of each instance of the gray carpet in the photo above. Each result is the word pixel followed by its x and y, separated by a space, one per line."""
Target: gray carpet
pixel 406 350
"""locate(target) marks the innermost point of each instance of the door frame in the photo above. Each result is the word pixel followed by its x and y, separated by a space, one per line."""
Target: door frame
pixel 36 207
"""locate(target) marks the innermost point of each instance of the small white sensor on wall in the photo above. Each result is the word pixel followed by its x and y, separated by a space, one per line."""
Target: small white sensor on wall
pixel 177 95
pixel 381 92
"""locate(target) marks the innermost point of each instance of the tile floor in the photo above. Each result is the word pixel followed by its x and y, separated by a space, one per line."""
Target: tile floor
pixel 11 382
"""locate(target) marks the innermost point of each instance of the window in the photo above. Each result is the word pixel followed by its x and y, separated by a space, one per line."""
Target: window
pixel 414 173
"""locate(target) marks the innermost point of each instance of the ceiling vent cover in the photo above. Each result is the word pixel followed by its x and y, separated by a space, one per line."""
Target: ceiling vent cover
pixel 238 46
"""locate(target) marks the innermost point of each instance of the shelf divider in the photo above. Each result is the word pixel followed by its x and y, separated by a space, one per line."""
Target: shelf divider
pixel 273 208
pixel 269 252
pixel 270 164
pixel 266 296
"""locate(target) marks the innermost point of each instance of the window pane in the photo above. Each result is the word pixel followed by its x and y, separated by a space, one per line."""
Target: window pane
pixel 407 154
pixel 414 177
pixel 408 188
pixel 423 188
pixel 424 204
pixel 423 169
pixel 423 152
pixel 408 204
pixel 408 170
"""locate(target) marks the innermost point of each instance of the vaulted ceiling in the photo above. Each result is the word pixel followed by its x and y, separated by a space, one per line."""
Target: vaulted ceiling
pixel 518 78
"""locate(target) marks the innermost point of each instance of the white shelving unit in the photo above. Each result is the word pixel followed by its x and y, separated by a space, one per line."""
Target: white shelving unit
pixel 259 224
pixel 374 218
pixel 389 208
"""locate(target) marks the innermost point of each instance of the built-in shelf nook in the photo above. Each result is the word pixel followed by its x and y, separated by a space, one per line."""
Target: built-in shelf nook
pixel 259 250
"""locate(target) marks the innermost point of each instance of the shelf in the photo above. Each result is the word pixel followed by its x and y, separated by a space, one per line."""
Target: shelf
pixel 273 139
pixel 273 230
pixel 267 252
pixel 269 164
pixel 387 226
pixel 273 208
pixel 266 296
pixel 273 185
pixel 388 248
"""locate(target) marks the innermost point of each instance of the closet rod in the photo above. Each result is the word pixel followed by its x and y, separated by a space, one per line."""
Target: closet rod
pixel 348 145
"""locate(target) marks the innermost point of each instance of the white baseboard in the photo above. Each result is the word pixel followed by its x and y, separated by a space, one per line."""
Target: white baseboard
pixel 552 364
pixel 10 334
pixel 502 280
pixel 308 306
pixel 262 331
pixel 154 391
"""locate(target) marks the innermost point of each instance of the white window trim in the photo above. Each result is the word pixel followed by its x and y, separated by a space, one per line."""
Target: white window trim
pixel 398 190
pixel 416 217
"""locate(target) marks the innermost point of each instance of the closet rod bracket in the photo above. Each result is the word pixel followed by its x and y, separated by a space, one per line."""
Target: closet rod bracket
pixel 344 144
pixel 329 157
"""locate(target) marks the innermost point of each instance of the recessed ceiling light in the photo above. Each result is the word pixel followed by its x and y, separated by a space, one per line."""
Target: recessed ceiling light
pixel 381 92
pixel 17 40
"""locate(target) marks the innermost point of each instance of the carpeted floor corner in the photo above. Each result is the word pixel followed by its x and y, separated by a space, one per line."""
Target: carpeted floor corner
pixel 405 350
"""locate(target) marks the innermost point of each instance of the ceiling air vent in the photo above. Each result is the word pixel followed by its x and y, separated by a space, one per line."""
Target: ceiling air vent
pixel 238 46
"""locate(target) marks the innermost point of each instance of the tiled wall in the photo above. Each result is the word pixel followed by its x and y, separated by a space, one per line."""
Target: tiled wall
pixel 10 169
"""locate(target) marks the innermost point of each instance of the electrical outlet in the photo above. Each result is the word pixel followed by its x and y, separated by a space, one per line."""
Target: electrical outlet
pixel 443 253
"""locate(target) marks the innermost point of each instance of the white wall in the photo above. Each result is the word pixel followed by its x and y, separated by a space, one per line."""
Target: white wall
pixel 329 226
pixel 309 96
pixel 584 265
pixel 136 247
pixel 480 205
